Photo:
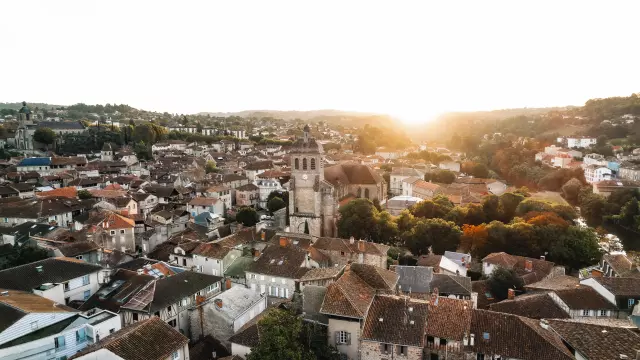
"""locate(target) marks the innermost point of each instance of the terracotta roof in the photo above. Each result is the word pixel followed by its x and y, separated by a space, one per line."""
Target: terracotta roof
pixel 584 297
pixel 516 337
pixel 77 248
pixel 441 313
pixel 352 294
pixel 421 184
pixel 539 268
pixel 68 192
pixel 597 342
pixel 337 244
pixel 396 320
pixel 485 298
pixel 620 286
pixel 107 193
pixel 321 273
pixel 280 261
pixel 535 306
pixel 149 339
pixel 204 349
pixel 557 282
pixel 619 262
pixel 354 174
pixel 203 201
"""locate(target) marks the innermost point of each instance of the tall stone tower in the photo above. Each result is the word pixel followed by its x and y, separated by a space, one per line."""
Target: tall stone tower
pixel 23 139
pixel 309 192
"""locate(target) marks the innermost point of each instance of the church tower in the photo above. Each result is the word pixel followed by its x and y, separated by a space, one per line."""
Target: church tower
pixel 23 139
pixel 307 186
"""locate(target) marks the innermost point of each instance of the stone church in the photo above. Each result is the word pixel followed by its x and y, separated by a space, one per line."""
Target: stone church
pixel 315 192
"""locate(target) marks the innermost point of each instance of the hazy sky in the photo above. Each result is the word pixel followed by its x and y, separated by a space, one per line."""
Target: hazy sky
pixel 409 59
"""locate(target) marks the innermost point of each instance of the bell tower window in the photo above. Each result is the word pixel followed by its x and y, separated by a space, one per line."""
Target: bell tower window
pixel 313 164
pixel 304 164
pixel 297 163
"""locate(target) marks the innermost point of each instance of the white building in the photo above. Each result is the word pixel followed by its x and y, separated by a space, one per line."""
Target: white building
pixel 399 174
pixel 34 327
pixel 265 187
pixel 597 173
pixel 578 141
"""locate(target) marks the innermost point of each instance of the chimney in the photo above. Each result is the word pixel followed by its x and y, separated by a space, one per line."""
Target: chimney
pixel 511 294
pixel 283 241
pixel 352 240
pixel 228 284
pixel 361 245
pixel 544 324
pixel 528 265
pixel 542 257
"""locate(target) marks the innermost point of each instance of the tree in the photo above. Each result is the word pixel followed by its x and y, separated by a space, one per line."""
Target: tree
pixel 275 204
pixel 358 218
pixel 280 332
pixel 247 216
pixel 438 207
pixel 571 190
pixel 142 151
pixel 437 235
pixel 24 255
pixel 45 136
pixel 577 247
pixel 84 194
pixel 474 238
pixel 210 167
pixel 501 280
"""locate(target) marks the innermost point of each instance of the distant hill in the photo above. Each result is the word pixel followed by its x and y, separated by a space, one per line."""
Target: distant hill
pixel 289 114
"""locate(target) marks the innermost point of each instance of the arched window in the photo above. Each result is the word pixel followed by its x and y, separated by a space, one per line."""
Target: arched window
pixel 359 192
pixel 304 164
pixel 313 163
pixel 366 193
pixel 297 162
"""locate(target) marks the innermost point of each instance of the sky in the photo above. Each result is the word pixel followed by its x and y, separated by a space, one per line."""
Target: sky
pixel 409 59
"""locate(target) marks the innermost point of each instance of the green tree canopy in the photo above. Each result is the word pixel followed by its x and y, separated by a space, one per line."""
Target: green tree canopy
pixel 275 204
pixel 45 136
pixel 501 280
pixel 438 234
pixel 247 216
pixel 84 194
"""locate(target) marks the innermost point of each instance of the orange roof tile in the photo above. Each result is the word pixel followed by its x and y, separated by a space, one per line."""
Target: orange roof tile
pixel 68 192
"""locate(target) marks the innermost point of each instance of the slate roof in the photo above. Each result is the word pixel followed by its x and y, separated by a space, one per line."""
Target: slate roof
pixel 61 125
pixel 440 317
pixel 259 165
pixel 352 174
pixel 619 286
pixel 204 348
pixel 558 282
pixel 280 261
pixel 516 337
pixel 172 289
pixel 123 285
pixel 620 263
pixel 584 297
pixel 312 298
pixel 535 306
pixel 375 276
pixel 54 270
pixel 249 333
pixel 451 284
pixel 77 248
pixel 404 171
pixel 598 342
pixel 403 321
pixel 150 339
pixel 248 187
pixel 321 273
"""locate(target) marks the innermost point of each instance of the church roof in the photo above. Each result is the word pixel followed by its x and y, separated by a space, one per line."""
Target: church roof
pixel 352 174
pixel 62 125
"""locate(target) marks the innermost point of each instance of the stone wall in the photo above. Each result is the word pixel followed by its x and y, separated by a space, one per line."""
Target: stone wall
pixel 374 351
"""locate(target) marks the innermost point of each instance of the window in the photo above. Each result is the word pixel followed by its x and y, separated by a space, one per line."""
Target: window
pixel 385 348
pixel 341 253
pixel 313 164
pixel 603 312
pixel 121 231
pixel 112 232
pixel 111 331
pixel 296 162
pixel 157 313
pixel 343 338
pixel 59 343
pixel 304 164
pixel 81 336
pixel 359 192
pixel 85 280
pixel 261 277
pixel 172 323
pixel 87 295
pixel 175 355
pixel 135 317
pixel 585 312
pixel 184 262
pixel 443 341
pixel 631 302
pixel 253 276
pixel 66 286
pixel 284 281
pixel 262 289
pixel 273 279
pixel 169 308
pixel 366 193
pixel 183 302
pixel 403 350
